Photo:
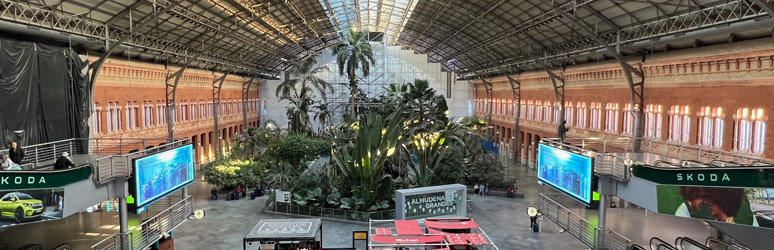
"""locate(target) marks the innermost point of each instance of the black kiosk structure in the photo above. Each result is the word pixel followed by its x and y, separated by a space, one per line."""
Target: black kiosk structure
pixel 282 234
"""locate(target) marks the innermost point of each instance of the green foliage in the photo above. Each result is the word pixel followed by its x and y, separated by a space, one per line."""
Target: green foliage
pixel 299 89
pixel 430 150
pixel 256 143
pixel 485 169
pixel 231 173
pixel 451 169
pixel 362 163
pixel 354 54
pixel 282 174
pixel 424 110
pixel 298 147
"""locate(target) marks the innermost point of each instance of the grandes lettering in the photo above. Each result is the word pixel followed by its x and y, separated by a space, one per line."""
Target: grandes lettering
pixel 703 177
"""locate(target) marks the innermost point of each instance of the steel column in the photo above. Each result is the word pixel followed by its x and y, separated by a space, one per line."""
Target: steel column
pixel 489 96
pixel 123 221
pixel 516 89
pixel 558 101
pixel 245 92
pixel 171 90
pixel 97 65
pixel 217 84
pixel 636 88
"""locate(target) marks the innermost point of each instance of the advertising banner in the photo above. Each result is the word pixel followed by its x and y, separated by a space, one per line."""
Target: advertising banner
pixel 566 171
pixel 31 205
pixel 158 175
pixel 746 206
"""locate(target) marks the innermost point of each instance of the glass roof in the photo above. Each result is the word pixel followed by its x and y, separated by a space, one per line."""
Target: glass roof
pixel 388 16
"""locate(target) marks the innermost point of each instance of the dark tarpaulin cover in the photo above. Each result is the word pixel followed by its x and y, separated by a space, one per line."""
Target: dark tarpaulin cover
pixel 43 92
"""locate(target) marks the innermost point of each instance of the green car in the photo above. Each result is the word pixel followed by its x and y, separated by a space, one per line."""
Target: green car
pixel 20 206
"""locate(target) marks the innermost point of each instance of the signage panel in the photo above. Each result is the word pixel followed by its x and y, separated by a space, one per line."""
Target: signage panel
pixel 19 180
pixel 158 175
pixel 428 202
pixel 749 177
pixel 567 172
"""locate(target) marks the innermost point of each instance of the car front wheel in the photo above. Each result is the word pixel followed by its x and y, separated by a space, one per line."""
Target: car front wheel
pixel 19 215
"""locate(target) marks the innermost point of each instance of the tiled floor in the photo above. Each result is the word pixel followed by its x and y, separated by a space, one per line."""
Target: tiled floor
pixel 226 223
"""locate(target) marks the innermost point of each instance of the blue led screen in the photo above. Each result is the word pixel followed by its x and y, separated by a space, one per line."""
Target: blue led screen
pixel 568 172
pixel 161 174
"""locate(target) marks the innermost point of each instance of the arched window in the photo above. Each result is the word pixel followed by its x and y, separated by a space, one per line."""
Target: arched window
pixel 628 119
pixel 750 130
pixel 653 121
pixel 611 117
pixel 569 113
pixel 581 115
pixel 596 116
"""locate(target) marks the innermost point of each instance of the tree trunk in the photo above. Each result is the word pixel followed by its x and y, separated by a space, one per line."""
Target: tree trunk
pixel 352 98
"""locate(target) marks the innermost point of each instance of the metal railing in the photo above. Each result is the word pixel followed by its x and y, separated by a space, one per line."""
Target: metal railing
pixel 717 244
pixel 46 153
pixel 606 164
pixel 585 231
pixel 331 213
pixel 149 232
pixel 120 166
pixel 682 151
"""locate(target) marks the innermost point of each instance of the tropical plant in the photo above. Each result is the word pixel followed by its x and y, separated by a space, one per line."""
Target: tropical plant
pixel 352 54
pixel 256 142
pixel 303 75
pixel 231 173
pixel 298 147
pixel 282 174
pixel 299 90
pixel 424 110
pixel 430 150
pixel 323 114
pixel 362 163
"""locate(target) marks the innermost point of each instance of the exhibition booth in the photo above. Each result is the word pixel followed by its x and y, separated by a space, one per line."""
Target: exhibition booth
pixel 431 233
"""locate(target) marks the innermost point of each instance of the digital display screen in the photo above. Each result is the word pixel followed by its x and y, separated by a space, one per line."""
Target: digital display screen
pixel 568 172
pixel 161 174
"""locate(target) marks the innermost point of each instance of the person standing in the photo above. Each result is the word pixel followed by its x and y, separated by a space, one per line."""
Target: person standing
pixel 16 153
pixel 486 190
pixel 532 212
pixel 475 189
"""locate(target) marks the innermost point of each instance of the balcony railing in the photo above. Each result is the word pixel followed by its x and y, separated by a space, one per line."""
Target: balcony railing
pixel 332 213
pixel 150 231
pixel 585 231
pixel 113 155
pixel 120 166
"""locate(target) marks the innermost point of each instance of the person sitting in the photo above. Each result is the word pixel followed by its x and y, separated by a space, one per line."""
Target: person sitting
pixel 214 193
pixel 7 164
pixel 64 162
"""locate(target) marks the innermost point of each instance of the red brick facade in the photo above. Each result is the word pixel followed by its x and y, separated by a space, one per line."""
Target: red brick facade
pixel 134 91
pixel 737 78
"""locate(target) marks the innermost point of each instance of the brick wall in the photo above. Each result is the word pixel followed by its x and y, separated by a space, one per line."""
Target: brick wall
pixel 730 76
pixel 122 81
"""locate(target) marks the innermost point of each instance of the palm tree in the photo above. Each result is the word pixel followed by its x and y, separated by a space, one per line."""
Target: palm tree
pixel 424 110
pixel 323 114
pixel 298 89
pixel 353 54
pixel 303 72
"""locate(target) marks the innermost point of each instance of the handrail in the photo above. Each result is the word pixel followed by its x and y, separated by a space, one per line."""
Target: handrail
pixel 333 213
pixel 660 244
pixel 681 242
pixel 119 166
pixel 606 164
pixel 580 228
pixel 711 241
pixel 149 232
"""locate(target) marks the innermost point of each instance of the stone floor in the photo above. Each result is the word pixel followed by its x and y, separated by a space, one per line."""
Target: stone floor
pixel 226 222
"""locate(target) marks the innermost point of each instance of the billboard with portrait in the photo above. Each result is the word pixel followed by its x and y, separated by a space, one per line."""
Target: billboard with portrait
pixel 746 206
pixel 158 175
pixel 567 172
pixel 30 205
